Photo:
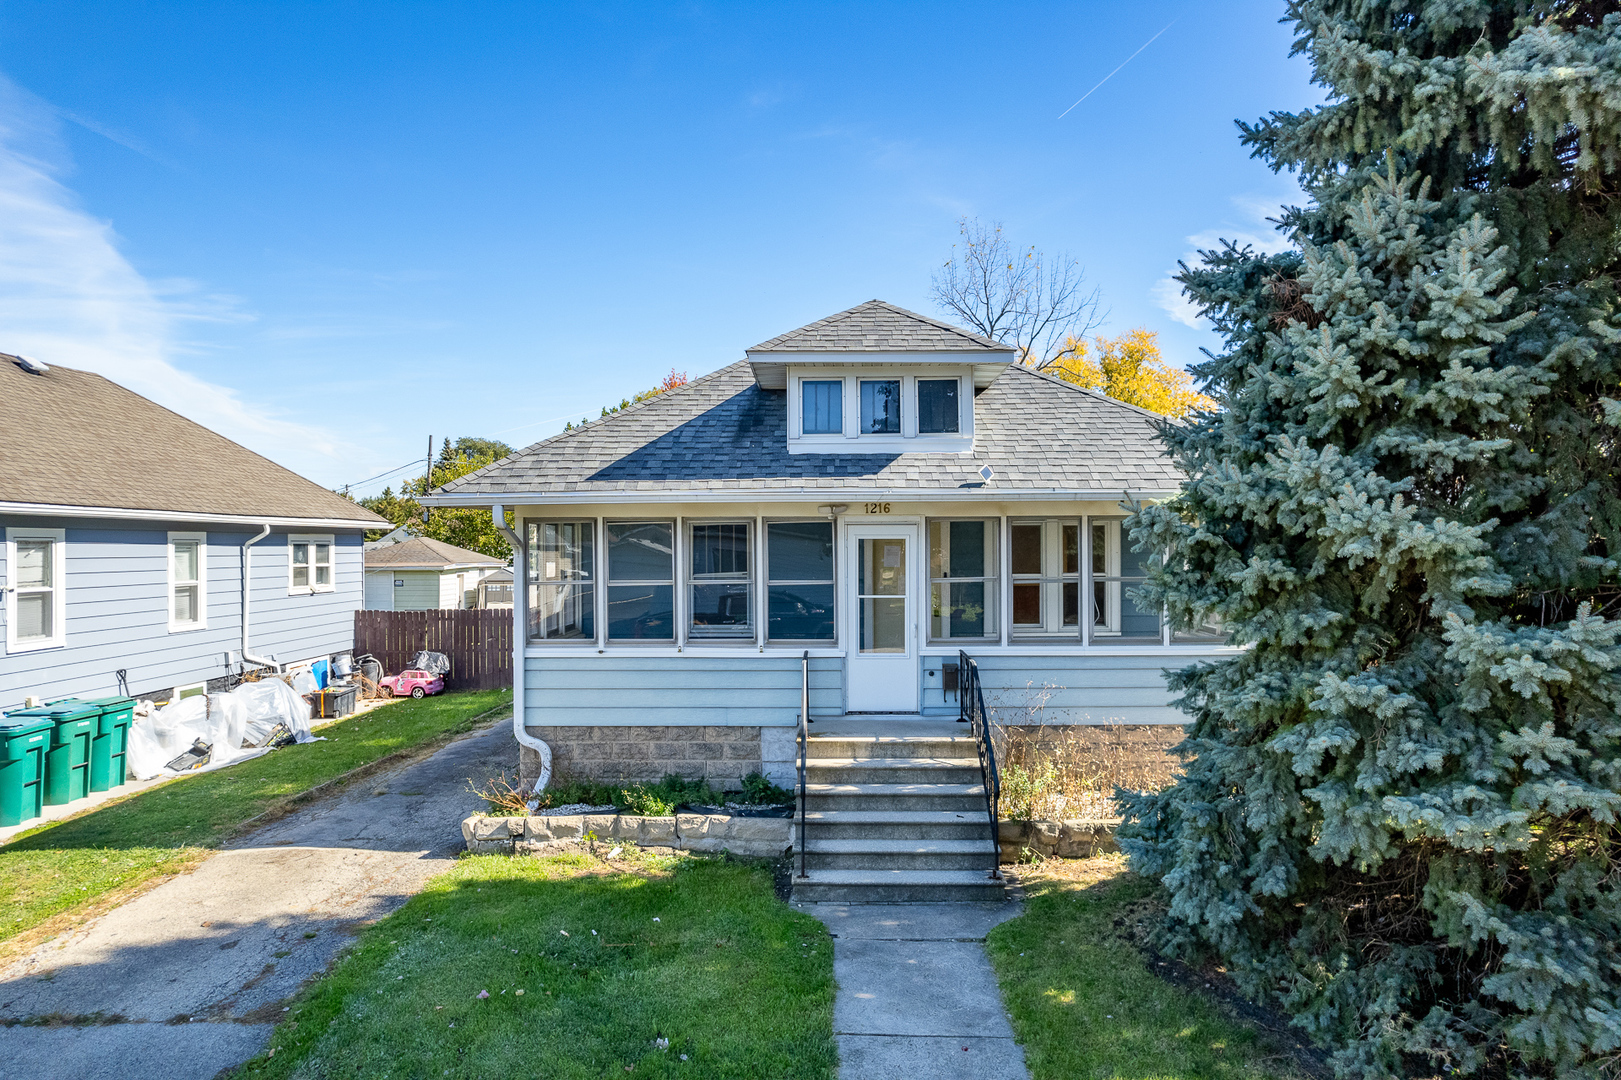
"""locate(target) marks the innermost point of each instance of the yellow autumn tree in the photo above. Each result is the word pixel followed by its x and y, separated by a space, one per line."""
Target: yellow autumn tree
pixel 1130 368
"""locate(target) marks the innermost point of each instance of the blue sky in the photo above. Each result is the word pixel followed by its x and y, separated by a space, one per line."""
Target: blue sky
pixel 330 230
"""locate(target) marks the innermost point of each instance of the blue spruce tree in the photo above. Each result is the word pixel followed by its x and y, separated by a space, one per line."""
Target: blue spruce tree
pixel 1399 818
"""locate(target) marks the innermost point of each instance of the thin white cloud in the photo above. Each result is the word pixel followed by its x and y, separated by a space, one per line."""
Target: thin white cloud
pixel 68 296
pixel 1255 231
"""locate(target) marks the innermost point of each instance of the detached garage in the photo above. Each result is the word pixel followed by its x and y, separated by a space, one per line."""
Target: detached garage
pixel 418 574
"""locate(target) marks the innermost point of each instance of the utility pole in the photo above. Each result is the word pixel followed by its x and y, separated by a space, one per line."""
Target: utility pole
pixel 427 478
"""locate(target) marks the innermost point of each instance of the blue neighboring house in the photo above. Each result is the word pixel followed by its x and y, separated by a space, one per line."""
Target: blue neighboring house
pixel 146 554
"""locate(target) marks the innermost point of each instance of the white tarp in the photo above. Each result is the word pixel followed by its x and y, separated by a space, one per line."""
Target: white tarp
pixel 234 725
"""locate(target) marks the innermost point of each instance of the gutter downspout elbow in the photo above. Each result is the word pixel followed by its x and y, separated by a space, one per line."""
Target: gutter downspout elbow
pixel 247 585
pixel 520 597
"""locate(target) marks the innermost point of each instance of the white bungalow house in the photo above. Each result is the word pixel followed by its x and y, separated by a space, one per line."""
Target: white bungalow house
pixel 877 489
pixel 416 573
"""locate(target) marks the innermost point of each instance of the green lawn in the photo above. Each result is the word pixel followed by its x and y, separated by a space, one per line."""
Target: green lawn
pixel 609 959
pixel 1086 1006
pixel 72 864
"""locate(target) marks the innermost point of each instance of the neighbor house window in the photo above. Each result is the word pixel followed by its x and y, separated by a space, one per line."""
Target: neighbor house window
pixel 641 580
pixel 880 406
pixel 937 406
pixel 1045 558
pixel 188 581
pixel 720 591
pixel 35 614
pixel 562 580
pixel 821 406
pixel 312 564
pixel 962 579
pixel 799 590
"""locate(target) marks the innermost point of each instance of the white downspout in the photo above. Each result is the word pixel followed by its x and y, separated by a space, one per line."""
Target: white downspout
pixel 247 585
pixel 520 629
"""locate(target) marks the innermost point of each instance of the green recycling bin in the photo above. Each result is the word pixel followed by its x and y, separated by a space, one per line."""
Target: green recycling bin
pixel 111 740
pixel 67 762
pixel 23 743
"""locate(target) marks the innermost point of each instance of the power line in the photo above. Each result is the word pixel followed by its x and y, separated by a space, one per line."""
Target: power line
pixel 408 465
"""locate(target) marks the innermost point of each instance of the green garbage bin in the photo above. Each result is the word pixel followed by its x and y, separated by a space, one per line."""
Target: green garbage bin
pixel 67 762
pixel 23 743
pixel 111 740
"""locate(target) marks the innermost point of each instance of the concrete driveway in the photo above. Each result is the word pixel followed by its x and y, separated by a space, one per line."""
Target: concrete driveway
pixel 190 977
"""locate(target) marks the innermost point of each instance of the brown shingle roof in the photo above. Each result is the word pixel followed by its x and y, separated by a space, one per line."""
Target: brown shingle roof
pixel 420 551
pixel 72 438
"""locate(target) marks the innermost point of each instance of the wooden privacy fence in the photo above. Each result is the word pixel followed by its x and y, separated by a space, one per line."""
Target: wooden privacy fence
pixel 478 642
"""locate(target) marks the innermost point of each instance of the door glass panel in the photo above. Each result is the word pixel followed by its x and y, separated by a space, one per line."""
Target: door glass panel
pixel 881 595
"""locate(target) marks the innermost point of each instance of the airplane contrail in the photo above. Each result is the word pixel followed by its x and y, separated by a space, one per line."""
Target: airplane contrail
pixel 1111 74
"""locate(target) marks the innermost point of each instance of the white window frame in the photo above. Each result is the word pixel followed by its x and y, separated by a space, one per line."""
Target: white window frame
pixel 691 581
pixel 908 439
pixel 201 539
pixel 1051 580
pixel 58 540
pixel 294 539
pixel 990 579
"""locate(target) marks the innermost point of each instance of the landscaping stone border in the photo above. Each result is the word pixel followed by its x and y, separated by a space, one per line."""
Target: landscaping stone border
pixel 752 837
pixel 1077 839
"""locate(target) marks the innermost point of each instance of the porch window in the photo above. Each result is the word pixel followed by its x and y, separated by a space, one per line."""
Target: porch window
pixel 562 580
pixel 187 602
pixel 799 590
pixel 1046 565
pixel 721 590
pixel 880 406
pixel 34 619
pixel 1115 572
pixel 641 580
pixel 962 580
pixel 311 564
pixel 822 406
pixel 937 406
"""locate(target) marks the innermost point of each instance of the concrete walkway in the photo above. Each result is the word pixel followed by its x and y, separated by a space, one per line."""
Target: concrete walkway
pixel 189 978
pixel 917 999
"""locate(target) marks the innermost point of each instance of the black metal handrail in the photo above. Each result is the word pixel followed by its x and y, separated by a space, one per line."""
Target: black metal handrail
pixel 804 739
pixel 971 711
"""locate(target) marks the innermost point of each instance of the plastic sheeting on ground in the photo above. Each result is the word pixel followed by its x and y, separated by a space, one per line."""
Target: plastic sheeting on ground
pixel 235 726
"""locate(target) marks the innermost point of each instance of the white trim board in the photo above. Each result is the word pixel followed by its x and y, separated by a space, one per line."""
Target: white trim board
pixel 131 514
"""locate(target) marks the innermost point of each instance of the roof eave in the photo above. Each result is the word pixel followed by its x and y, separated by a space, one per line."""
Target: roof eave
pixel 987 493
pixel 124 513
pixel 770 367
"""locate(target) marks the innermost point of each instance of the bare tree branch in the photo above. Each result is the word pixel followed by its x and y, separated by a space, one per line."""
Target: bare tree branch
pixel 1018 297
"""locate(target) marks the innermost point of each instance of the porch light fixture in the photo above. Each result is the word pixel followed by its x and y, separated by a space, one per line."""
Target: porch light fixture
pixel 833 510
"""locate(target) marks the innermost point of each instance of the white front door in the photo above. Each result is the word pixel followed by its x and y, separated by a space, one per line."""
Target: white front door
pixel 880 621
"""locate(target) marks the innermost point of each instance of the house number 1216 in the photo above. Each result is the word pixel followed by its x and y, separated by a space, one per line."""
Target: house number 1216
pixel 877 508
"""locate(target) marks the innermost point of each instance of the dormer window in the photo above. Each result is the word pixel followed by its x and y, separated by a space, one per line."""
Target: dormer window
pixel 822 405
pixel 880 406
pixel 938 406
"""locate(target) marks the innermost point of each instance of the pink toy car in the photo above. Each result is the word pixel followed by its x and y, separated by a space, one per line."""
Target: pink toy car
pixel 419 684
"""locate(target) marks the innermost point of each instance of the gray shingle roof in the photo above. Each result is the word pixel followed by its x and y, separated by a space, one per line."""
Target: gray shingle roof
pixel 877 326
pixel 723 433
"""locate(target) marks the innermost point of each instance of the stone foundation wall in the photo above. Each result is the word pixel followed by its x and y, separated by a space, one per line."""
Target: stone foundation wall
pixel 1055 839
pixel 722 755
pixel 754 837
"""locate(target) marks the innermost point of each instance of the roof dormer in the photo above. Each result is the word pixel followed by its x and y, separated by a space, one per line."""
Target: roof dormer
pixel 878 379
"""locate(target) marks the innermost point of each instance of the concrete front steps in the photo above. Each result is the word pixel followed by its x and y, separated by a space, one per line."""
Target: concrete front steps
pixel 895 814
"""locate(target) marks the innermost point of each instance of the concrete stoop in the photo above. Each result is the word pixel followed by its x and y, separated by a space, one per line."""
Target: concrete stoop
pixel 895 814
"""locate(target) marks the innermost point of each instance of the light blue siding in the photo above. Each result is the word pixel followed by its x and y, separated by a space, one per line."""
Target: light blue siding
pixel 625 689
pixel 1080 689
pixel 117 609
pixel 694 690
